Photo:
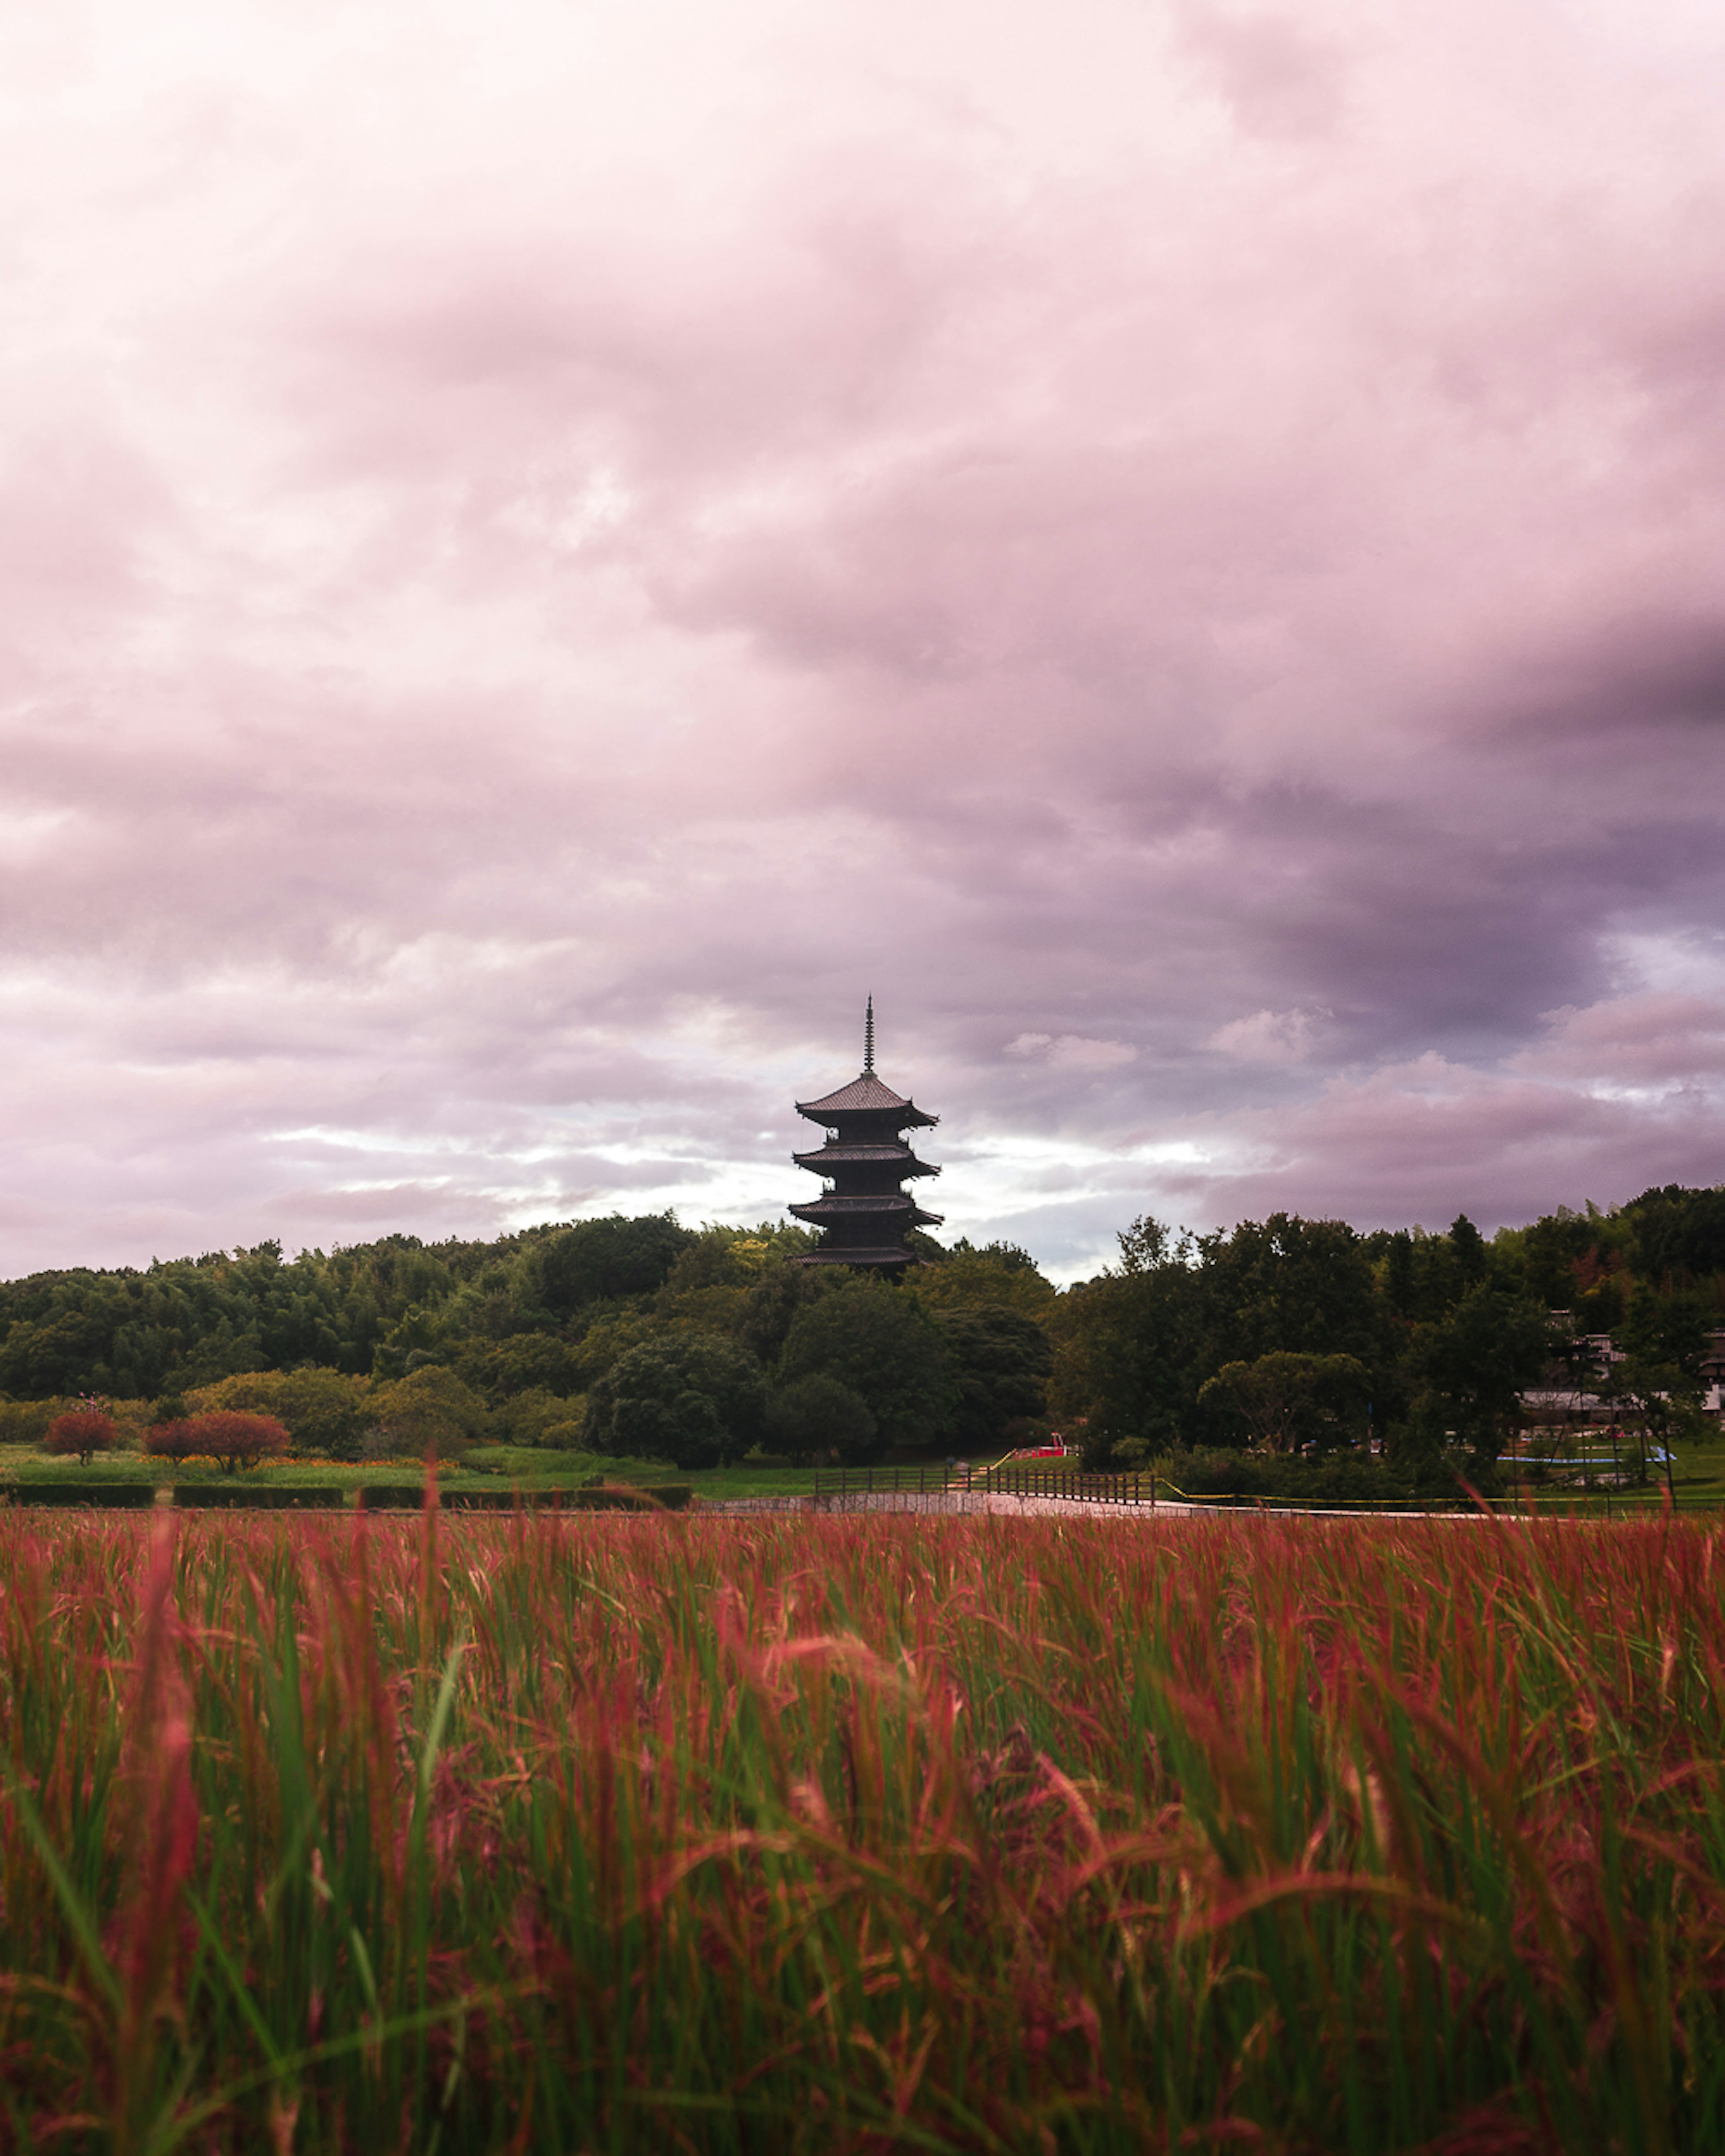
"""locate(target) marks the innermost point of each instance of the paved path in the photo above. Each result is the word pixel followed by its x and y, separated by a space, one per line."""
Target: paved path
pixel 953 1504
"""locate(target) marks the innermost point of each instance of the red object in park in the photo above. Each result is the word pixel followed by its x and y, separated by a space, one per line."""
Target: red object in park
pixel 227 1434
pixel 80 1433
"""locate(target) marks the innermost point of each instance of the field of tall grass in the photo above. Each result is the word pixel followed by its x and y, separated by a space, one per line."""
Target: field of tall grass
pixel 860 1834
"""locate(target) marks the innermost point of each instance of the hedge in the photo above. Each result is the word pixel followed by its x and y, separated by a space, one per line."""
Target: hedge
pixel 132 1496
pixel 253 1497
pixel 376 1497
pixel 668 1497
pixel 397 1496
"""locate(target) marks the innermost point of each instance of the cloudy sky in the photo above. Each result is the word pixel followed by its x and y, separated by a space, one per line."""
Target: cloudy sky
pixel 550 547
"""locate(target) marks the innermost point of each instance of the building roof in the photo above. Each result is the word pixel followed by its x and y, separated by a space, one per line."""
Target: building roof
pixel 864 1096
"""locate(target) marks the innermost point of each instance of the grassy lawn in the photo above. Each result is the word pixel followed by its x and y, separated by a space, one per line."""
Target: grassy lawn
pixel 1699 1472
pixel 1697 1479
pixel 529 1466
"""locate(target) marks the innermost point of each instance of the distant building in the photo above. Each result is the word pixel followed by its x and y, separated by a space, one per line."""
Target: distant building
pixel 862 1211
pixel 1590 1357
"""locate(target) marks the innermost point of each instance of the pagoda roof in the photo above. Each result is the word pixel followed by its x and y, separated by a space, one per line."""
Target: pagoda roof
pixel 882 1205
pixel 875 1149
pixel 832 1204
pixel 864 1096
pixel 892 1151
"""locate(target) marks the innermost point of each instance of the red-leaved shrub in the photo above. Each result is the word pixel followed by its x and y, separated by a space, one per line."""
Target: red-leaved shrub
pixel 226 1434
pixel 83 1432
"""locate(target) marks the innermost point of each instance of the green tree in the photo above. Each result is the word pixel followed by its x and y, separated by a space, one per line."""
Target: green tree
pixel 519 1362
pixel 1657 1384
pixel 604 1260
pixel 876 1340
pixel 1001 1361
pixel 1469 1368
pixel 1677 1235
pixel 997 1274
pixel 429 1412
pixel 1129 1348
pixel 771 1306
pixel 1473 1260
pixel 817 1418
pixel 1287 1285
pixel 696 1399
pixel 1286 1400
pixel 60 1352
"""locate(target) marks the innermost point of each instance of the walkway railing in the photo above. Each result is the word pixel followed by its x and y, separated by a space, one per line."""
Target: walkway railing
pixel 1070 1483
pixel 837 1484
pixel 833 1485
pixel 923 1480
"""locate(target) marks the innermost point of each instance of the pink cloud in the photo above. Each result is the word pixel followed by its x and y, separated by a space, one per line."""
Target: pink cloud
pixel 540 559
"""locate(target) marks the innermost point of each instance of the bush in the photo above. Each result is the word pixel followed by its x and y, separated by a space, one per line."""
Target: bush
pixel 430 1412
pixel 695 1399
pixel 171 1440
pixel 817 1417
pixel 323 1411
pixel 226 1435
pixel 525 1418
pixel 23 1422
pixel 80 1436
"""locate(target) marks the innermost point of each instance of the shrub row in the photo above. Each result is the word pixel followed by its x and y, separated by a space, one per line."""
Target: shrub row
pixel 376 1496
pixel 271 1497
pixel 397 1496
pixel 133 1494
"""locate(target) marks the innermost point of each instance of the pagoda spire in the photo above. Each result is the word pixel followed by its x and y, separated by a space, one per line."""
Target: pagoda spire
pixel 869 1038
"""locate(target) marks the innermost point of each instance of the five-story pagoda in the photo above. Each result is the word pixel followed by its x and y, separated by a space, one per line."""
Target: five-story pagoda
pixel 863 1213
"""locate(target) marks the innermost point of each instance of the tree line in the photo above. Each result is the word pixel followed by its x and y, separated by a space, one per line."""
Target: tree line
pixel 647 1338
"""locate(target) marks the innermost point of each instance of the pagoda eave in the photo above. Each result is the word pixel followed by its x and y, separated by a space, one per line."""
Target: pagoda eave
pixel 829 1159
pixel 896 1213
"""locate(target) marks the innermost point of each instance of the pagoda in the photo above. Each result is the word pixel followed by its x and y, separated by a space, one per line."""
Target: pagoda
pixel 863 1213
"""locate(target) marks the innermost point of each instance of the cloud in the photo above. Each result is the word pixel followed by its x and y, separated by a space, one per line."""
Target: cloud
pixel 543 557
pixel 1267 1036
pixel 1649 1043
pixel 1071 1051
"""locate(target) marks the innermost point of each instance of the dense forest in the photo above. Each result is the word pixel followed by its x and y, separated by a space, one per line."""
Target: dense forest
pixel 644 1337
